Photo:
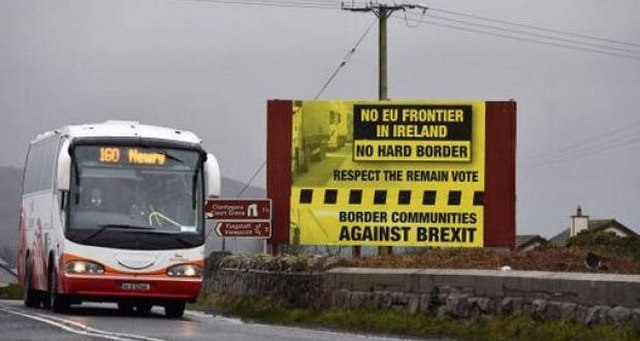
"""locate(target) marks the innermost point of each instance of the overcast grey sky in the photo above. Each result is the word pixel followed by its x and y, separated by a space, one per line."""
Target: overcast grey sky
pixel 210 67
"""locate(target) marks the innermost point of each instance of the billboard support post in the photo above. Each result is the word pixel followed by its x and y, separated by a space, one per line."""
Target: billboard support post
pixel 279 178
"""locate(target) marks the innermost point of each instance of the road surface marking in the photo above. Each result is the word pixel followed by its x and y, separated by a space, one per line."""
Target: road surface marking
pixel 78 328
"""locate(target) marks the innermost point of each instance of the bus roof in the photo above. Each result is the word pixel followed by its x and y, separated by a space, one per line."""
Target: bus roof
pixel 113 128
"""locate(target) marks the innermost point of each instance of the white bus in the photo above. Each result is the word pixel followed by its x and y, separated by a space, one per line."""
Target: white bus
pixel 113 212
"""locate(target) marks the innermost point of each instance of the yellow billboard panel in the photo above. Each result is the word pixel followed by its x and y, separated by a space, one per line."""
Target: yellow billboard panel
pixel 393 173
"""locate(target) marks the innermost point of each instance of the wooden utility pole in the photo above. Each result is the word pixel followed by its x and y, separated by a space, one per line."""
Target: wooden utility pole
pixel 383 12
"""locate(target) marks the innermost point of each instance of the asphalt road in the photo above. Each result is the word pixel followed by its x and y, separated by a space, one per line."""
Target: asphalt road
pixel 93 321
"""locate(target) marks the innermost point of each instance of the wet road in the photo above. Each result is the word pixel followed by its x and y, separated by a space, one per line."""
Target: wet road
pixel 94 321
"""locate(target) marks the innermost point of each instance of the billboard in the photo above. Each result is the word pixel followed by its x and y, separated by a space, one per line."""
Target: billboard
pixel 394 173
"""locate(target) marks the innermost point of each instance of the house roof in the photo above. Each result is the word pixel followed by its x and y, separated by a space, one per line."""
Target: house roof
pixel 603 224
pixel 560 239
pixel 525 240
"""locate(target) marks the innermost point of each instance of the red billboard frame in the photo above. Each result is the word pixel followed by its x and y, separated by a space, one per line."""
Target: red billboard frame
pixel 500 172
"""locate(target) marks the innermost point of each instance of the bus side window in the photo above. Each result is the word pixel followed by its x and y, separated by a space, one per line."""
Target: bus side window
pixel 40 166
pixel 50 152
pixel 28 180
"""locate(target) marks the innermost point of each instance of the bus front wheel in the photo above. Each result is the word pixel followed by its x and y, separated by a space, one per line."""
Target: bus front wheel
pixel 125 308
pixel 174 309
pixel 57 302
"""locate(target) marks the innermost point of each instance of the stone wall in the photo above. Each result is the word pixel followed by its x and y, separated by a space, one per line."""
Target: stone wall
pixel 583 297
pixel 302 289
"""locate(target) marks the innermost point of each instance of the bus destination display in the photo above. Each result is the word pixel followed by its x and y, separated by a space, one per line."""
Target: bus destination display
pixel 130 155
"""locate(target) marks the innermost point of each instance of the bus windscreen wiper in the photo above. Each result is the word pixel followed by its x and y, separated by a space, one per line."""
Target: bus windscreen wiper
pixel 108 226
pixel 126 226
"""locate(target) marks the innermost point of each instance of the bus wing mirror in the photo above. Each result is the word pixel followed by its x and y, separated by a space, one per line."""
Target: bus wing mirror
pixel 64 168
pixel 212 174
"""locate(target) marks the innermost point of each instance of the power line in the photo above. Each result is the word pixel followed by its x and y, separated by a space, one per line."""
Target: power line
pixel 588 150
pixel 298 4
pixel 533 34
pixel 295 3
pixel 513 34
pixel 276 3
pixel 597 140
pixel 345 60
pixel 530 27
pixel 251 179
pixel 606 141
pixel 530 40
pixel 587 153
pixel 382 12
pixel 533 27
pixel 518 35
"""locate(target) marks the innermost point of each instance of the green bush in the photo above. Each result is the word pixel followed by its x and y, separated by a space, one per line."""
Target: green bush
pixel 12 292
pixel 607 241
pixel 284 263
pixel 213 261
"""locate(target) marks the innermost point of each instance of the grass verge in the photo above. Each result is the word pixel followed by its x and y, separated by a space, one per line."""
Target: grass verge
pixel 11 292
pixel 380 321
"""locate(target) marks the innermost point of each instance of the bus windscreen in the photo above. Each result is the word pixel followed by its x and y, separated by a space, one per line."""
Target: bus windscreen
pixel 136 197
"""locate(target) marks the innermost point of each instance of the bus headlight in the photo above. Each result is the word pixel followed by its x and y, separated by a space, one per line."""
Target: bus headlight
pixel 185 270
pixel 83 267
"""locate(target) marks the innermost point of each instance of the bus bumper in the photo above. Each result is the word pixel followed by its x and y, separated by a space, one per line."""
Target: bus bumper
pixel 107 288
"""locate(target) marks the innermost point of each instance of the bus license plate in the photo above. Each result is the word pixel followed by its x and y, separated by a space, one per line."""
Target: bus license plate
pixel 135 286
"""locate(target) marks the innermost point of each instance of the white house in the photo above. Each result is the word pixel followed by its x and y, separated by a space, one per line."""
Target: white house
pixel 581 222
